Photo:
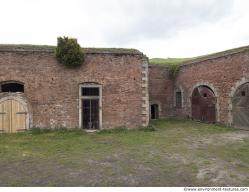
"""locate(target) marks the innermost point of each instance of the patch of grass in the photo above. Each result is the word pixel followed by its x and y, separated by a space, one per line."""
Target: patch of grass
pixel 178 153
pixel 150 128
pixel 36 131
pixel 113 131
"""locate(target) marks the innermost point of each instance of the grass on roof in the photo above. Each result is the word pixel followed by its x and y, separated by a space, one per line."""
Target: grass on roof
pixel 176 61
pixel 168 61
pixel 26 46
pixel 85 49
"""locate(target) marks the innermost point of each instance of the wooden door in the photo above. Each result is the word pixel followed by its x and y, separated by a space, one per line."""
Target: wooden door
pixel 241 107
pixel 12 116
pixel 5 120
pixel 203 105
pixel 18 117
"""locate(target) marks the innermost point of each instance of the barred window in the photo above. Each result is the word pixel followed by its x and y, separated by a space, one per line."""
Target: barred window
pixel 178 99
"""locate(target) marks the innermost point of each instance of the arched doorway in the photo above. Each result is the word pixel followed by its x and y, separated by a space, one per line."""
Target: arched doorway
pixel 13 116
pixel 240 102
pixel 154 111
pixel 203 104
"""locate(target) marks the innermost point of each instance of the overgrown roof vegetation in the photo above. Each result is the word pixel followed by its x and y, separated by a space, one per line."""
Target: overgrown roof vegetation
pixel 168 61
pixel 48 48
pixel 155 61
pixel 112 50
pixel 25 47
pixel 178 61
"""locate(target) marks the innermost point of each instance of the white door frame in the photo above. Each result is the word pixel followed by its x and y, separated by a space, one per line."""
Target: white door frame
pixel 90 97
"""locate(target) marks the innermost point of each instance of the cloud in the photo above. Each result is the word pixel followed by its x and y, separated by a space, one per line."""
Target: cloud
pixel 147 19
pixel 159 28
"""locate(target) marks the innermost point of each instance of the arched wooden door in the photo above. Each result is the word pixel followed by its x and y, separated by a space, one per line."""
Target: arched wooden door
pixel 13 116
pixel 241 107
pixel 203 104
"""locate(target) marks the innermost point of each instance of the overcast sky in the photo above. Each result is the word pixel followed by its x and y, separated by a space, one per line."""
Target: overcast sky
pixel 159 28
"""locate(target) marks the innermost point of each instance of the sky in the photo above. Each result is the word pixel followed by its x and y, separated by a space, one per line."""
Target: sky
pixel 158 28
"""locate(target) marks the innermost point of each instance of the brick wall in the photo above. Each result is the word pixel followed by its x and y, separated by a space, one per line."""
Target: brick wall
pixel 52 90
pixel 222 74
pixel 161 90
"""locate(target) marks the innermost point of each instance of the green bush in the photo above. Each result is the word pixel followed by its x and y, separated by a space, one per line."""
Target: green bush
pixel 69 52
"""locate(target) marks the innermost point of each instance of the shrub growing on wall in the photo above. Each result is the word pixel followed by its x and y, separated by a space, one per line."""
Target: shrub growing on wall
pixel 173 71
pixel 69 52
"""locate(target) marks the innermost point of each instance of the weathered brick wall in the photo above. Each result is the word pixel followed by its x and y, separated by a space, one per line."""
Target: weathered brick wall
pixel 161 90
pixel 53 90
pixel 222 74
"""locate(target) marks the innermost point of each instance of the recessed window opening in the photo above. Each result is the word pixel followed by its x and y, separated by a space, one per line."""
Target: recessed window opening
pixel 243 93
pixel 12 87
pixel 178 99
pixel 204 95
pixel 90 91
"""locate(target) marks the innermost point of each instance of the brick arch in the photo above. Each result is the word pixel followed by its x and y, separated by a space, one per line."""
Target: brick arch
pixel 12 81
pixel 231 95
pixel 90 83
pixel 216 93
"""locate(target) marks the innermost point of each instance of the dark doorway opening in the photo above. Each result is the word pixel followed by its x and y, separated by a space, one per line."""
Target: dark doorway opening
pixel 12 87
pixel 90 113
pixel 203 104
pixel 154 111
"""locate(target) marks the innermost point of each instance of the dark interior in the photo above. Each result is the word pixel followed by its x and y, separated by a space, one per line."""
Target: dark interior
pixel 154 111
pixel 12 87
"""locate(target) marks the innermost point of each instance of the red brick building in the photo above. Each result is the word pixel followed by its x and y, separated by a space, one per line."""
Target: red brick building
pixel 117 88
pixel 213 88
pixel 109 90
